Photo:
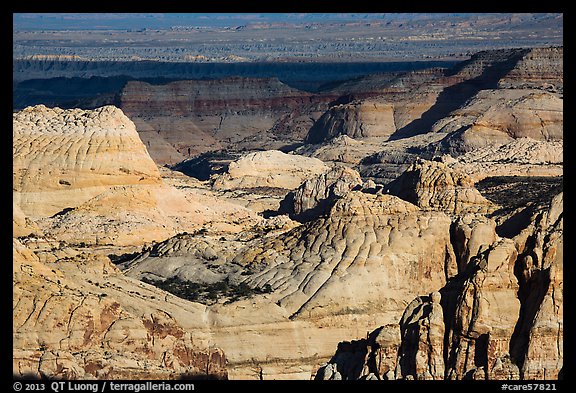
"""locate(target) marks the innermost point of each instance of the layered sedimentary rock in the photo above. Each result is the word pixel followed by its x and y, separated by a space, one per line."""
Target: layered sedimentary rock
pixel 357 120
pixel 357 264
pixel 491 99
pixel 21 224
pixel 184 118
pixel 454 287
pixel 496 117
pixel 62 158
pixel 501 317
pixel 537 342
pixel 365 249
pixel 519 157
pixel 341 149
pixel 539 67
pixel 404 99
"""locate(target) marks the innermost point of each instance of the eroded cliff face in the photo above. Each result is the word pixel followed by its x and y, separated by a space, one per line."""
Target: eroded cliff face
pixel 500 317
pixel 427 276
pixel 492 99
pixel 402 100
pixel 184 118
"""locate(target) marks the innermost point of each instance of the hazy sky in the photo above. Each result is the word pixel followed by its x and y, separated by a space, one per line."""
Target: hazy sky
pixel 60 21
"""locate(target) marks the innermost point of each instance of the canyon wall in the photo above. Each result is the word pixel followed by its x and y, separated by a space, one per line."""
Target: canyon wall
pixel 282 266
pixel 184 118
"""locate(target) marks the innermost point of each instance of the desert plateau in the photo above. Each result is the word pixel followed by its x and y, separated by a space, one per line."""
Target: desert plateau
pixel 312 197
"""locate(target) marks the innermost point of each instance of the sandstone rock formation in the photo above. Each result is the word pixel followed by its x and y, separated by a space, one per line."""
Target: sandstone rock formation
pixel 519 157
pixel 356 120
pixel 368 249
pixel 501 317
pixel 22 225
pixel 481 103
pixel 433 185
pixel 537 342
pixel 79 317
pixel 180 119
pixel 85 177
pixel 362 250
pixel 342 149
pixel 270 168
pixel 315 196
pixel 495 117
pixel 540 68
pixel 404 99
pixel 430 280
pixel 62 158
pixel 362 262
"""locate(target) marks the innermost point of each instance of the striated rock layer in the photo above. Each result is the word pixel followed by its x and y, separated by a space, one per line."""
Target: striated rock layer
pixel 86 177
pixel 365 249
pixel 520 157
pixel 495 117
pixel 402 100
pixel 492 99
pixel 456 287
pixel 184 118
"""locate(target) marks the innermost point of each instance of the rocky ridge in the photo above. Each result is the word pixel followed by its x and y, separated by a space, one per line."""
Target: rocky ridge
pixel 481 102
pixel 457 286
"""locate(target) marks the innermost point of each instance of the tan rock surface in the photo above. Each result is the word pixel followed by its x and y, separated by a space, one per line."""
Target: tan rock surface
pixel 342 149
pixel 62 158
pixel 329 278
pixel 22 225
pixel 503 313
pixel 402 100
pixel 538 339
pixel 454 297
pixel 434 185
pixel 270 168
pixel 80 318
pixel 316 195
pixel 520 157
pixel 495 117
pixel 363 250
pixel 86 177
pixel 357 120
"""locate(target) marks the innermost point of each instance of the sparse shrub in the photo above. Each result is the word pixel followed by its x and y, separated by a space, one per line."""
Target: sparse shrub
pixel 207 293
